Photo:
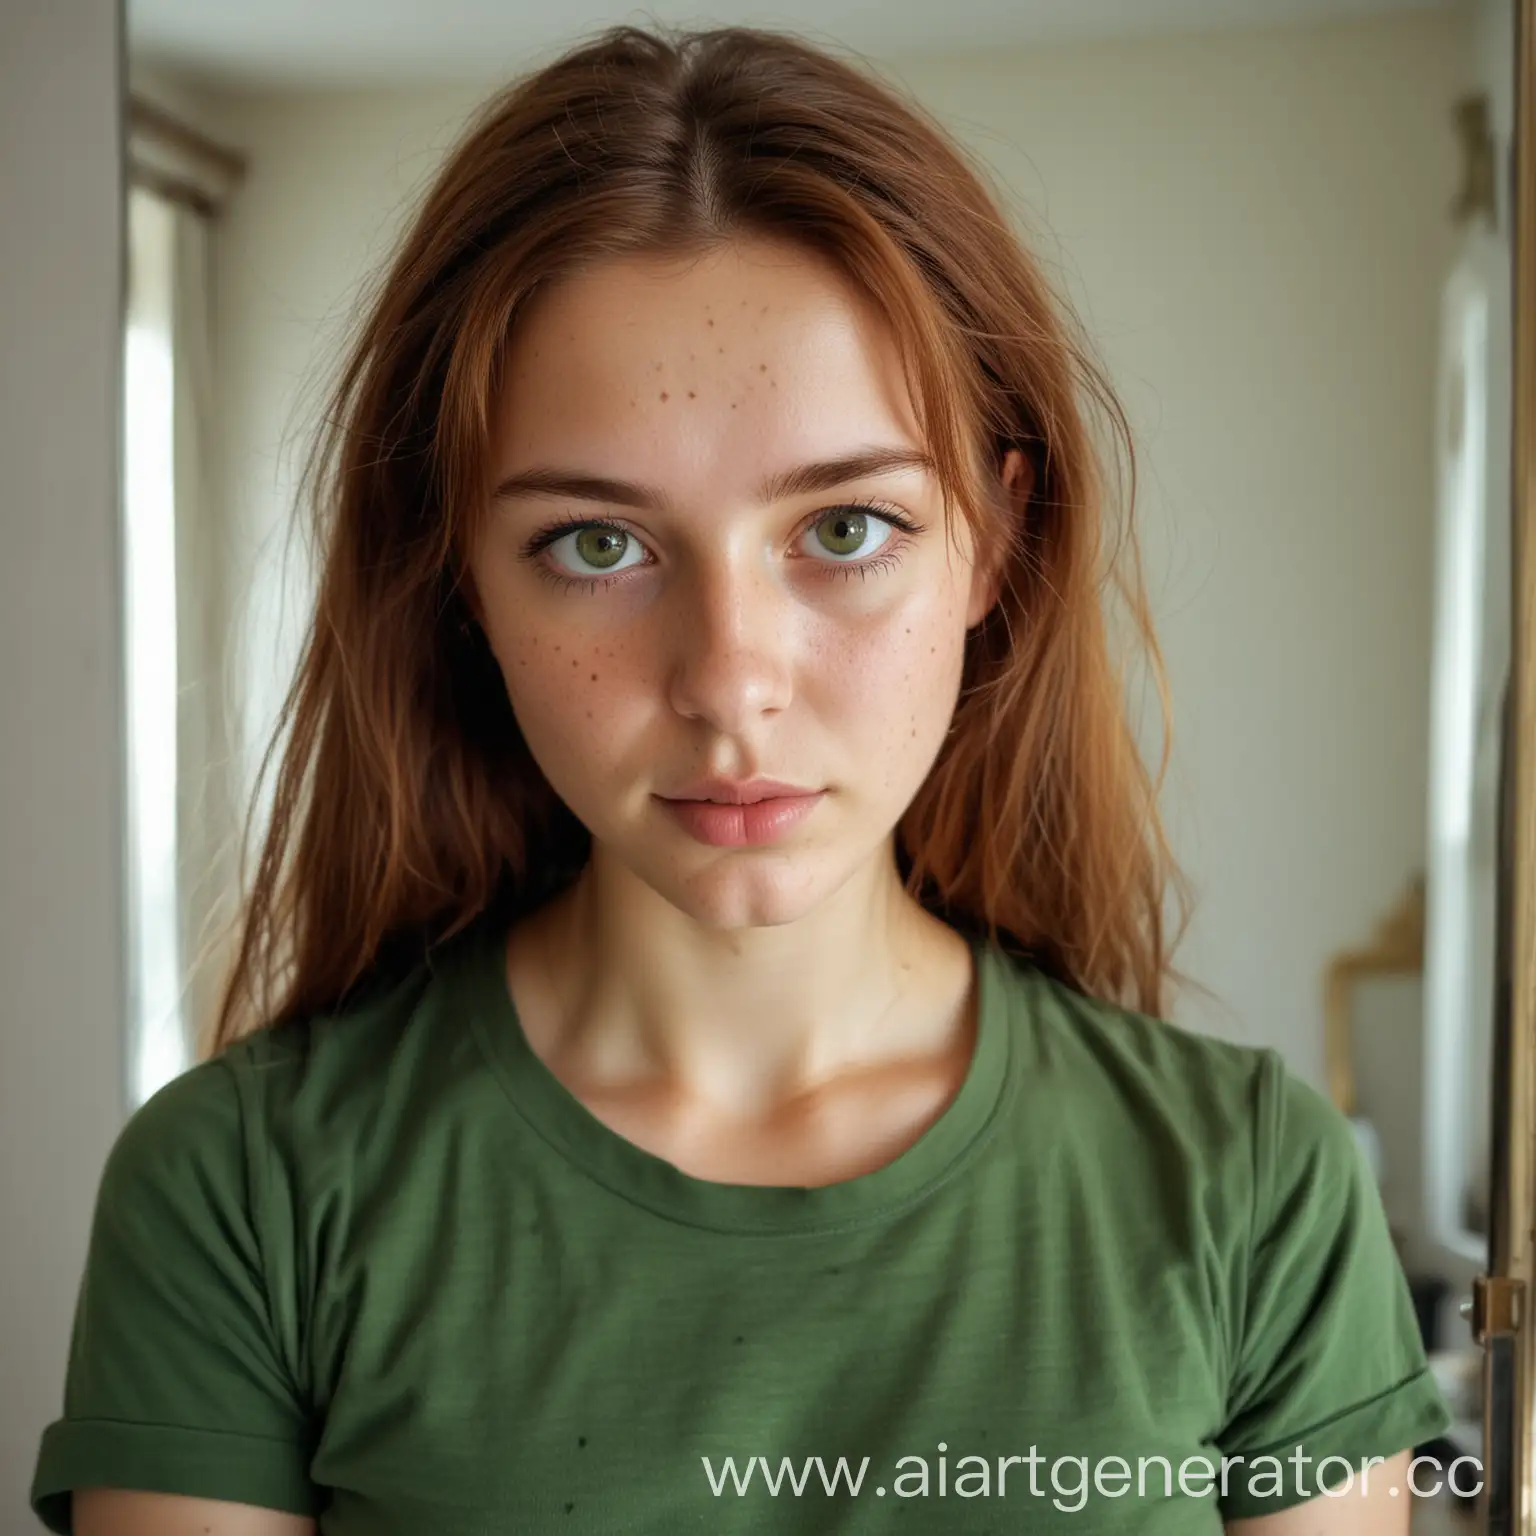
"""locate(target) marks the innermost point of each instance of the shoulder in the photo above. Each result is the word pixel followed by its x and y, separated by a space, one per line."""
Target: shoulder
pixel 1103 1052
pixel 399 1040
pixel 186 1141
pixel 1148 1083
pixel 292 1097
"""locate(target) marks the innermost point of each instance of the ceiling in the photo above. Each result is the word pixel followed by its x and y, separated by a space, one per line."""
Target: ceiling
pixel 316 43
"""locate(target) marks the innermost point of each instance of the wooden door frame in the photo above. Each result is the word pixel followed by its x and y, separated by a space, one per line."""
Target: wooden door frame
pixel 1504 1310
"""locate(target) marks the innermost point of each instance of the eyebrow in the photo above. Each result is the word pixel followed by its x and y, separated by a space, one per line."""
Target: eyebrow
pixel 802 480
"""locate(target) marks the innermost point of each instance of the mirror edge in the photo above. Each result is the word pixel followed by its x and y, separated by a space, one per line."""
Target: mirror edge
pixel 1502 1310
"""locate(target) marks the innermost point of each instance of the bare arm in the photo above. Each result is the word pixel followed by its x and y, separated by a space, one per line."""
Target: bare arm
pixel 1382 1507
pixel 117 1512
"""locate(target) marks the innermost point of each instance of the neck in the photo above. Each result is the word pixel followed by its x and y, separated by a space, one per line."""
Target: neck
pixel 630 989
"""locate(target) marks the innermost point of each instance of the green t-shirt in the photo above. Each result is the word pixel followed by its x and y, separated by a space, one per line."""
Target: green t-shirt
pixel 382 1267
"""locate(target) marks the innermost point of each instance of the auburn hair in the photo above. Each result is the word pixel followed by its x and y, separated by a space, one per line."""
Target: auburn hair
pixel 406 802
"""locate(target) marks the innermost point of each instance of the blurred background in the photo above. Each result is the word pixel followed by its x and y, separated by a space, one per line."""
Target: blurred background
pixel 1285 225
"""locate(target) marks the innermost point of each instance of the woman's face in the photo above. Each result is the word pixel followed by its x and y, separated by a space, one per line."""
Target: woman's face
pixel 717 556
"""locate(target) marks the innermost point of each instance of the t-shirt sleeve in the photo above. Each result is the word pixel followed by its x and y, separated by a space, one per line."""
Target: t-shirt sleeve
pixel 1329 1358
pixel 178 1380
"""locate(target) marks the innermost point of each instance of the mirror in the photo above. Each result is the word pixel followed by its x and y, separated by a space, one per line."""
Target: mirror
pixel 1471 669
pixel 1292 243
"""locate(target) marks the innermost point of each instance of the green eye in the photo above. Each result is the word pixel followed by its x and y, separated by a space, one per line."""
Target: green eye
pixel 843 533
pixel 601 547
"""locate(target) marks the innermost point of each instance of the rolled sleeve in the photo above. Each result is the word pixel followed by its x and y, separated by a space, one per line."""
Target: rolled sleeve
pixel 178 1379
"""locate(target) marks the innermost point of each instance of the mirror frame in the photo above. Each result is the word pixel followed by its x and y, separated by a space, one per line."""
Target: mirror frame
pixel 1501 1308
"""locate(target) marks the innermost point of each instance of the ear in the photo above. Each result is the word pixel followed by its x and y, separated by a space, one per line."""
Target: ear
pixel 1018 480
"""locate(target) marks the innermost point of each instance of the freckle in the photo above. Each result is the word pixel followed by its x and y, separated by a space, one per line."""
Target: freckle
pixel 711 322
pixel 663 394
pixel 762 367
pixel 733 405
pixel 581 1440
pixel 594 677
pixel 720 350
pixel 691 395
pixel 569 1507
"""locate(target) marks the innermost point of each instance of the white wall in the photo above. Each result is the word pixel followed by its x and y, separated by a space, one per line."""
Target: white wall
pixel 1254 225
pixel 63 1006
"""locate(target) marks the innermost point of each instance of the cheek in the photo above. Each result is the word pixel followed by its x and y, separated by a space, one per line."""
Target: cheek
pixel 893 684
pixel 559 675
pixel 568 691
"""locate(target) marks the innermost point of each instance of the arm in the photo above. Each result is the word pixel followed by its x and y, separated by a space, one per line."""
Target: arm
pixel 1329 1362
pixel 185 1375
pixel 1378 1505
pixel 116 1512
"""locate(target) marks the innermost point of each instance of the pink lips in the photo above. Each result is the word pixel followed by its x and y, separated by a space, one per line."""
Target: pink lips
pixel 741 815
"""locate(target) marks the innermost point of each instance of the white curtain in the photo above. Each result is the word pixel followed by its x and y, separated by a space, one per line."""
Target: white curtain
pixel 1471 664
pixel 184 828
pixel 207 823
pixel 157 1047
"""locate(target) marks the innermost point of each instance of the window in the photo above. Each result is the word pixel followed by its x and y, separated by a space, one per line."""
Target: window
pixel 158 1042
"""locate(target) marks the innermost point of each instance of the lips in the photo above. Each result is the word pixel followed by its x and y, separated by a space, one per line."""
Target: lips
pixel 759 812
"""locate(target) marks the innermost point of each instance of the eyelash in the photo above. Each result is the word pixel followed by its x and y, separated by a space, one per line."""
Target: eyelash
pixel 886 559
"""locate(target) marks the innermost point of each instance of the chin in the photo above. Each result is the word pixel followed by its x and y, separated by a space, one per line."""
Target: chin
pixel 757 890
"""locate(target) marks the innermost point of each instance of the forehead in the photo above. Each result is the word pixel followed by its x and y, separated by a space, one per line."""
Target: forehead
pixel 703 375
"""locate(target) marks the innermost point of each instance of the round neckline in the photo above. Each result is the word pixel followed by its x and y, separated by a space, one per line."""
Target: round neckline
pixel 651 1182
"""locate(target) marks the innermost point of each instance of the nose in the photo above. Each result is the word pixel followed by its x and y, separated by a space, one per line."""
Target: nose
pixel 732 635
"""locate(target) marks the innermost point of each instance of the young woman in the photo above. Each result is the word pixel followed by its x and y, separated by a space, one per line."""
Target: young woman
pixel 692 1061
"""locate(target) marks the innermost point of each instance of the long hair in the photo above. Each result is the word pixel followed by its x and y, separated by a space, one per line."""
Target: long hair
pixel 406 802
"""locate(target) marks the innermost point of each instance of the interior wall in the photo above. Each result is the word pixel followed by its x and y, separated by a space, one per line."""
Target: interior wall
pixel 1254 227
pixel 63 1007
